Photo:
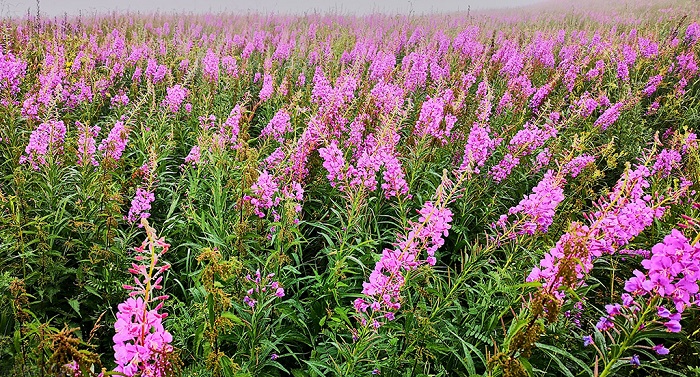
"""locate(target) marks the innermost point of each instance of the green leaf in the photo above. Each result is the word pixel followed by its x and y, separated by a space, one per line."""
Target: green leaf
pixel 75 304
pixel 234 318
pixel 566 354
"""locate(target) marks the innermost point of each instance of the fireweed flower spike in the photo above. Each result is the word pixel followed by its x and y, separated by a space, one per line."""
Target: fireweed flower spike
pixel 46 140
pixel 383 289
pixel 141 343
pixel 537 210
pixel 657 297
pixel 86 144
pixel 114 145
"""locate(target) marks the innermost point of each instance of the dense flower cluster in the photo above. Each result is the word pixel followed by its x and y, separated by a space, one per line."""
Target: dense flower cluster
pixel 434 120
pixel 140 206
pixel 626 212
pixel 278 126
pixel 374 153
pixel 667 160
pixel 210 66
pixel 383 289
pixel 114 145
pixel 267 88
pixel 141 343
pixel 609 116
pixel 577 164
pixel 176 95
pixel 12 72
pixel 46 140
pixel 365 111
pixel 671 276
pixel 538 209
pixel 194 157
pixel 672 272
pixel 264 190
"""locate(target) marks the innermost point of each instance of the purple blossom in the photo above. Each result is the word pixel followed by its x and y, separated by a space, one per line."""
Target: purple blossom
pixel 478 148
pixel 634 361
pixel 692 33
pixel 666 161
pixel 176 94
pixel 278 126
pixel 673 271
pixel 503 169
pixel 141 343
pixel 577 164
pixel 140 206
pixel 383 289
pixel 113 146
pixel 154 71
pixel 264 190
pixel 12 72
pixel 194 157
pixel 210 66
pixel 46 139
pixel 605 324
pixel 433 119
pixel 538 208
pixel 333 162
pixel 267 88
pixel 86 144
pixel 652 84
pixel 609 116
pixel 625 213
pixel 660 349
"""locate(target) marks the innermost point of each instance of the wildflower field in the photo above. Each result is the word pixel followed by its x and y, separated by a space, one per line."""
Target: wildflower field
pixel 500 193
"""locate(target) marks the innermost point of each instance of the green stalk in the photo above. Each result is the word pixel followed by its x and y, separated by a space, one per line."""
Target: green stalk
pixel 626 344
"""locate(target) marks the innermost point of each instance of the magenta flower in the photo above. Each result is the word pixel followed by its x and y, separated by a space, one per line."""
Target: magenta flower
pixel 86 144
pixel 46 139
pixel 210 66
pixel 673 326
pixel 176 94
pixel 634 361
pixel 113 146
pixel 140 206
pixel 383 288
pixel 12 72
pixel 141 343
pixel 538 209
pixel 267 88
pixel 660 349
pixel 278 126
pixel 194 157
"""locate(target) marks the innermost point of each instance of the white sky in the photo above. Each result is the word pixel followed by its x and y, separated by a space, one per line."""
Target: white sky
pixel 73 7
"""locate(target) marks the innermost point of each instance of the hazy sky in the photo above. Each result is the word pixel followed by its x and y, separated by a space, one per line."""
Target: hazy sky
pixel 72 7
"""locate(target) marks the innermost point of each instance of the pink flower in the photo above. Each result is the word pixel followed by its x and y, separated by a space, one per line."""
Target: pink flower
pixel 113 146
pixel 660 349
pixel 141 343
pixel 267 88
pixel 176 95
pixel 538 208
pixel 46 139
pixel 140 206
pixel 86 144
pixel 210 66
pixel 278 126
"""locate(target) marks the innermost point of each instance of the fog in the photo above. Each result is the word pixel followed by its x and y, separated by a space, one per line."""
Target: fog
pixel 15 8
